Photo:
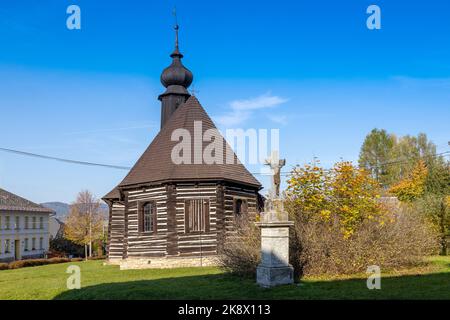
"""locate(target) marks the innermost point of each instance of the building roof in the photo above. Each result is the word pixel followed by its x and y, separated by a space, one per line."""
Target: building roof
pixel 12 202
pixel 113 194
pixel 156 165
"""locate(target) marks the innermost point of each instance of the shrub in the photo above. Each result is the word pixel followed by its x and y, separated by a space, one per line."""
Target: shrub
pixel 341 227
pixel 240 254
pixel 38 262
pixel 317 247
pixel 96 258
pixel 4 266
pixel 437 209
pixel 62 247
pixel 401 241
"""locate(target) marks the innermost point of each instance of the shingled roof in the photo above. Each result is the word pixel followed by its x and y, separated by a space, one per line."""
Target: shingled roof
pixel 12 202
pixel 113 194
pixel 156 165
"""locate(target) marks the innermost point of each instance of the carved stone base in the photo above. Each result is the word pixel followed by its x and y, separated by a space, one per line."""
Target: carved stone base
pixel 268 277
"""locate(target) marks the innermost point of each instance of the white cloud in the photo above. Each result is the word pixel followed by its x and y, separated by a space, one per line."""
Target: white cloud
pixel 280 118
pixel 261 102
pixel 241 110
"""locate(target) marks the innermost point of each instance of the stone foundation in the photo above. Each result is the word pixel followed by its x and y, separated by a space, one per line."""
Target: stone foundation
pixel 163 263
pixel 274 269
pixel 268 277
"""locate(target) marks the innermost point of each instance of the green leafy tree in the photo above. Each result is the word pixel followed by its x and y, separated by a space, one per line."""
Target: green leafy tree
pixel 437 189
pixel 407 151
pixel 375 152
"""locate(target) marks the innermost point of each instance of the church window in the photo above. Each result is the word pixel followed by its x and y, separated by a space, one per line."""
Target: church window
pixel 148 217
pixel 240 207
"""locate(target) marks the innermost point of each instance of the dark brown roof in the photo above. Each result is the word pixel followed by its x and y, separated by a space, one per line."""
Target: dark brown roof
pixel 12 202
pixel 113 194
pixel 155 165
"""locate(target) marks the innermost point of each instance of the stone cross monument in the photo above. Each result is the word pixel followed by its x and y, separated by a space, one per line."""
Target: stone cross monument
pixel 274 268
pixel 275 165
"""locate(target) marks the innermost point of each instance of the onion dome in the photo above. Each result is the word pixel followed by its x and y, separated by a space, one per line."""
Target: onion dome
pixel 176 77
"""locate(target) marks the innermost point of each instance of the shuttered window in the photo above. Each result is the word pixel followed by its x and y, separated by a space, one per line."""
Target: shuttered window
pixel 240 207
pixel 196 215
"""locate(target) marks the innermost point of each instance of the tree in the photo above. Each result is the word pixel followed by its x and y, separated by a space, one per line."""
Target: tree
pixel 391 159
pixel 427 188
pixel 355 195
pixel 437 209
pixel 344 193
pixel 411 187
pixel 84 224
pixel 407 151
pixel 437 189
pixel 375 152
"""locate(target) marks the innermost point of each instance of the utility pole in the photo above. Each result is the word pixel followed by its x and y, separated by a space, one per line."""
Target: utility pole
pixel 90 230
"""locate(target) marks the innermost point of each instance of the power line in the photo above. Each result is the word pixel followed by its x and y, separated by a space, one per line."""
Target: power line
pixel 84 163
pixel 94 164
pixel 444 154
pixel 408 159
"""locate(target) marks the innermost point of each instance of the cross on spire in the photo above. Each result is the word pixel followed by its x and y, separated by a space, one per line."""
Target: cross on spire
pixel 176 27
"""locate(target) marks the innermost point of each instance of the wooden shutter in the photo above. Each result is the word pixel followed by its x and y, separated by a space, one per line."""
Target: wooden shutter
pixel 187 210
pixel 206 214
pixel 154 216
pixel 141 216
pixel 196 215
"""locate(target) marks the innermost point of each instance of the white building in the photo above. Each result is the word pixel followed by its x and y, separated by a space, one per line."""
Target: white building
pixel 24 228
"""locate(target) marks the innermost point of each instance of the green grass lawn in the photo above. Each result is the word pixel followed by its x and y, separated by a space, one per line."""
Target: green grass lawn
pixel 108 282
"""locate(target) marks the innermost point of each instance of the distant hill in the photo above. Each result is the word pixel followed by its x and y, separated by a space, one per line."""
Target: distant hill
pixel 63 209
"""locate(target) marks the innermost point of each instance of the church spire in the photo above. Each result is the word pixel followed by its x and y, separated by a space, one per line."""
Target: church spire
pixel 176 78
pixel 176 52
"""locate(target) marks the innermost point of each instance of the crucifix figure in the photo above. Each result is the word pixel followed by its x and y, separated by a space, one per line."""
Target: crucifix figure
pixel 275 165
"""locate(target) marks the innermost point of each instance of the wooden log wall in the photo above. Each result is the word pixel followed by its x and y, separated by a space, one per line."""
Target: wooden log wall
pixel 196 244
pixel 171 238
pixel 139 244
pixel 116 230
pixel 230 194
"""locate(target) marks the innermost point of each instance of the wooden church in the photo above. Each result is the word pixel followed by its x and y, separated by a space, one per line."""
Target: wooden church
pixel 165 214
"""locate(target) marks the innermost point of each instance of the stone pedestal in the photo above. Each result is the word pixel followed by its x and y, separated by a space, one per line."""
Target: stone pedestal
pixel 274 268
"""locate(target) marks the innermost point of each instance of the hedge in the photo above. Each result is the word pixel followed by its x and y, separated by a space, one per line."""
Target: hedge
pixel 35 262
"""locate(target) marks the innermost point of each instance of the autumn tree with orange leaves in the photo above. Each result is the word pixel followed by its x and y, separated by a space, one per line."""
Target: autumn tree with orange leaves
pixel 345 193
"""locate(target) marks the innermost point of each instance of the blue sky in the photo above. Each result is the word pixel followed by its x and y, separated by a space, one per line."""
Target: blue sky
pixel 310 68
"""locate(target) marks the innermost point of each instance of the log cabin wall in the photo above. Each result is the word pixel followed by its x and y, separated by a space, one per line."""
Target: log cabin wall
pixel 196 243
pixel 171 238
pixel 138 244
pixel 231 193
pixel 116 230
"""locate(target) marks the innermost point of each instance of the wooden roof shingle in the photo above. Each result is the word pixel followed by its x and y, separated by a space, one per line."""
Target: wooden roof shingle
pixel 156 165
